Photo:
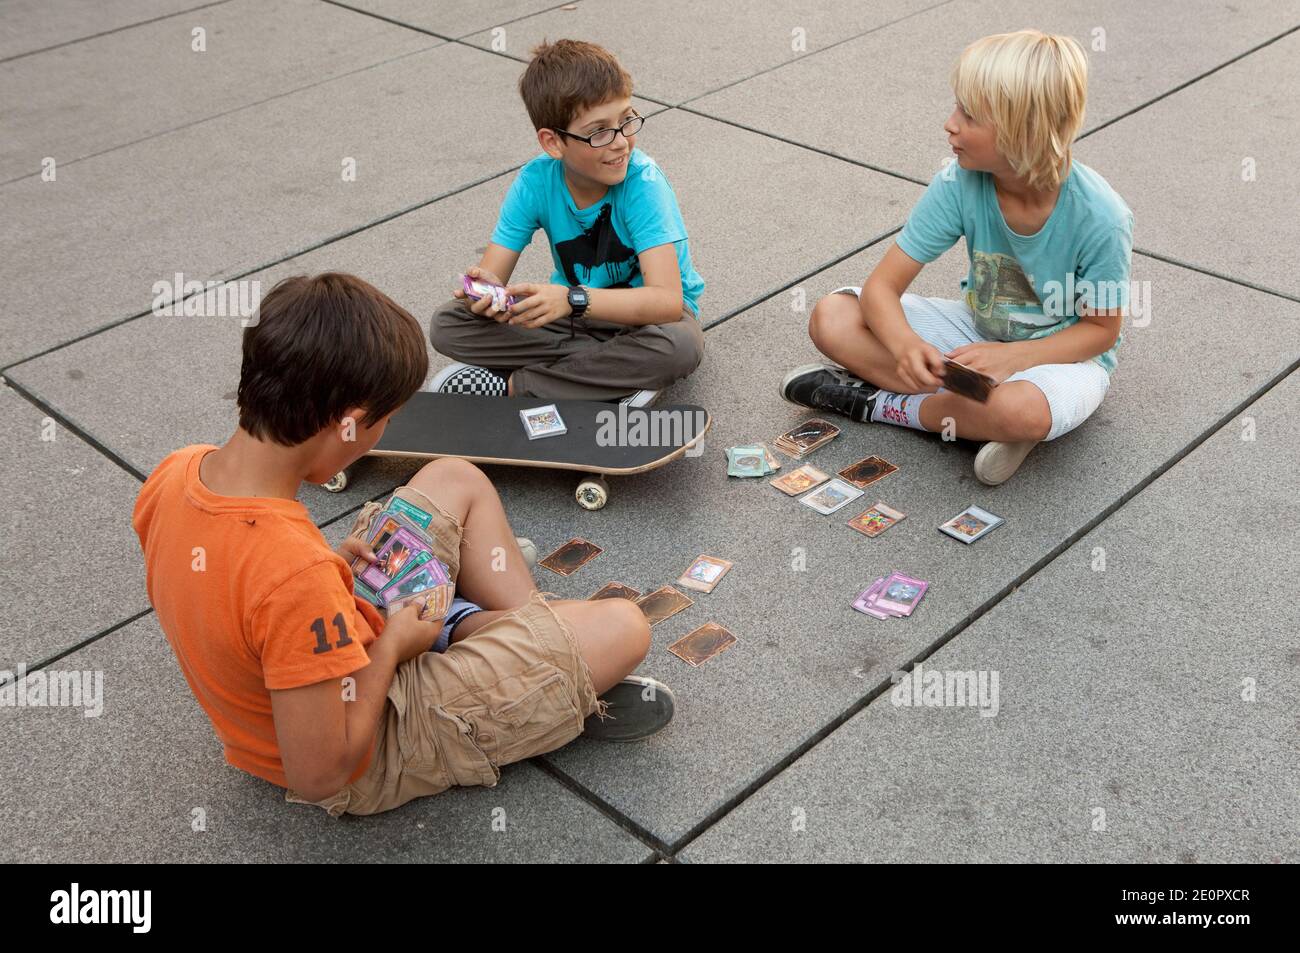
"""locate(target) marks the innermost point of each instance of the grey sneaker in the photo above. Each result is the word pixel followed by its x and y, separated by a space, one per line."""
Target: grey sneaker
pixel 827 387
pixel 461 378
pixel 635 708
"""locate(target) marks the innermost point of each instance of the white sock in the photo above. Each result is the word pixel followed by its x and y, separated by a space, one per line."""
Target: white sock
pixel 903 410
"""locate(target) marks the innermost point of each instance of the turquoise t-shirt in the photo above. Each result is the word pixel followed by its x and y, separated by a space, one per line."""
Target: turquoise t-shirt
pixel 598 246
pixel 1029 286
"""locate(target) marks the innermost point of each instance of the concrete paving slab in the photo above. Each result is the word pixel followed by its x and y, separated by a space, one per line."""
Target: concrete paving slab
pixel 688 49
pixel 145 781
pixel 71 564
pixel 229 195
pixel 882 99
pixel 89 97
pixel 189 367
pixel 1224 157
pixel 1145 708
pixel 32 25
pixel 452 18
pixel 804 656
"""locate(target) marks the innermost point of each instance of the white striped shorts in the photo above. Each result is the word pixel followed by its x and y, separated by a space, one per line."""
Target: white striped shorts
pixel 1073 391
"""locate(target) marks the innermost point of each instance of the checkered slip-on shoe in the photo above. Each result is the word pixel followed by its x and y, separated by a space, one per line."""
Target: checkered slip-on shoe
pixel 467 379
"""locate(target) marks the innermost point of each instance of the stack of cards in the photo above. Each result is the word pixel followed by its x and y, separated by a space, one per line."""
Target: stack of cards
pixel 893 595
pixel 751 460
pixel 971 524
pixel 405 570
pixel 807 437
pixel 543 422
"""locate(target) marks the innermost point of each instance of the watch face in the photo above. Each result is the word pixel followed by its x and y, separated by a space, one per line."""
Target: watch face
pixel 578 296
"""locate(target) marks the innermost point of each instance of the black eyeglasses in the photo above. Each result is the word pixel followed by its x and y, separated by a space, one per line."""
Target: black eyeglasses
pixel 603 137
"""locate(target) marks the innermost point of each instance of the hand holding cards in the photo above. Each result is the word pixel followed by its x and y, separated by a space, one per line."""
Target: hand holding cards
pixel 405 570
pixel 967 381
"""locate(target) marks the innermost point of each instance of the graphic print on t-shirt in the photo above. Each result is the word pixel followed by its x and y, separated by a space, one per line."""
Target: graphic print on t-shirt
pixel 598 247
pixel 1002 298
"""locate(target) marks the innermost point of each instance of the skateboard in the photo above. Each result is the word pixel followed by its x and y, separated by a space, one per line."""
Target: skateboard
pixel 601 439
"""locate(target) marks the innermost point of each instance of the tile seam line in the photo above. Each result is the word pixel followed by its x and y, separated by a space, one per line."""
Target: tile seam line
pixel 817 52
pixel 120 29
pixel 75 429
pixel 805 747
pixel 452 39
pixel 1195 79
pixel 221 115
pixel 657 847
pixel 89 640
pixel 262 266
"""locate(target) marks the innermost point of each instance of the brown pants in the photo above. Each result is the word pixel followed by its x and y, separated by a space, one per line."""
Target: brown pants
pixel 602 361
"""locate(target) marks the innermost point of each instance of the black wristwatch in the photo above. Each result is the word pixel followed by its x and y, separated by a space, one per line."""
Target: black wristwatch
pixel 578 300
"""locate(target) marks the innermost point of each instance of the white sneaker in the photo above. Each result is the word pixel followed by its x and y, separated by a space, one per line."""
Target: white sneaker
pixel 529 549
pixel 997 461
pixel 642 398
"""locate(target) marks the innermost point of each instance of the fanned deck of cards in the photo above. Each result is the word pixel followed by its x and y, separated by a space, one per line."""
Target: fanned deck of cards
pixel 405 570
pixel 751 460
pixel 895 595
pixel 807 437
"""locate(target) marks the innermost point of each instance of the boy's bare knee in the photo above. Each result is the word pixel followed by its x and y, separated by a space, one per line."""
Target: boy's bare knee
pixel 1025 414
pixel 827 319
pixel 449 471
pixel 633 629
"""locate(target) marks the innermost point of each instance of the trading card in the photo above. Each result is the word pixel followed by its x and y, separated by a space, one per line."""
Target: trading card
pixel 699 646
pixel 412 564
pixel 832 496
pixel 542 422
pixel 432 573
pixel 773 464
pixel 971 524
pixel 433 603
pixel 570 557
pixel 863 603
pixel 967 381
pixel 796 481
pixel 866 472
pixel 809 435
pixel 392 558
pixel 359 588
pixel 662 603
pixel 875 520
pixel 704 574
pixel 615 590
pixel 412 512
pixel 747 461
pixel 385 524
pixel 899 594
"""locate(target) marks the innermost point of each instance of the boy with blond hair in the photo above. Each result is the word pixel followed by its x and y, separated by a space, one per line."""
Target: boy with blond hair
pixel 1049 245
pixel 619 318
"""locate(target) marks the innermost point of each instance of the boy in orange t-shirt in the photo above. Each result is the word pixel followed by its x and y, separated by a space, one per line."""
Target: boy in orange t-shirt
pixel 310 687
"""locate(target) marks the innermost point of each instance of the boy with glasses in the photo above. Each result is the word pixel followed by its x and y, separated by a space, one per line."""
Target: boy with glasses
pixel 619 318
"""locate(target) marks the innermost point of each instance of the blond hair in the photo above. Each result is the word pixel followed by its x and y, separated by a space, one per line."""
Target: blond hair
pixel 1032 87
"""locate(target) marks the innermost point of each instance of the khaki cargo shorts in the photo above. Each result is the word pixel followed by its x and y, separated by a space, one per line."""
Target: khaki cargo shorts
pixel 514 689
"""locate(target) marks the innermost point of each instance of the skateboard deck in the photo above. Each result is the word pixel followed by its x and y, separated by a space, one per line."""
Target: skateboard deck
pixel 601 438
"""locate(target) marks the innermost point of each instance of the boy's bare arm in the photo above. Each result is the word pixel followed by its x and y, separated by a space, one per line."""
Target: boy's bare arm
pixel 1095 333
pixel 322 736
pixel 658 301
pixel 919 364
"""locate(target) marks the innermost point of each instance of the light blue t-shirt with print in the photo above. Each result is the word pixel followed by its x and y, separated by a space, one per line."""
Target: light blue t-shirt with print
pixel 598 246
pixel 1029 286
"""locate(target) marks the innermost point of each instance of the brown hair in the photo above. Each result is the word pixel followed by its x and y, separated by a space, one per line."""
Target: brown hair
pixel 567 76
pixel 323 345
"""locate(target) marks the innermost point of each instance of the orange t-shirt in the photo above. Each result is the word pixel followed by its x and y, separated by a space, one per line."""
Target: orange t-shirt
pixel 252 598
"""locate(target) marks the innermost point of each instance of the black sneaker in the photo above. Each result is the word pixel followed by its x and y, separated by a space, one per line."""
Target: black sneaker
pixel 826 387
pixel 461 378
pixel 635 708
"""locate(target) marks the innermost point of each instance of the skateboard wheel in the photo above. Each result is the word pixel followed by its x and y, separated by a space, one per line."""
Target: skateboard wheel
pixel 592 493
pixel 337 483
